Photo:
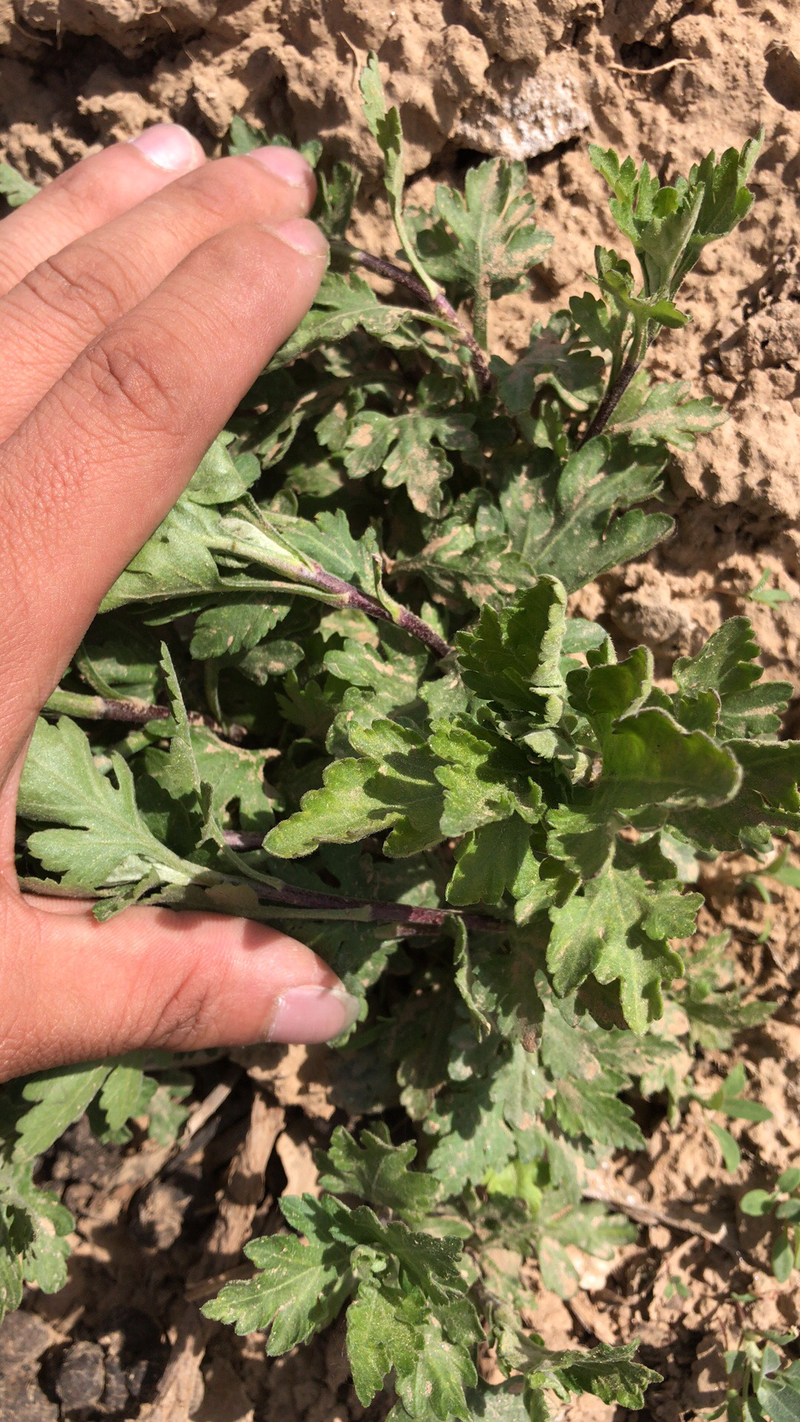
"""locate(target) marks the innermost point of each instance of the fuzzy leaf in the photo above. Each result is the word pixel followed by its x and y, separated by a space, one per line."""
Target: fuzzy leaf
pixel 552 358
pixel 344 304
pixel 608 1372
pixel 650 760
pixel 439 1375
pixel 126 1093
pixel 382 1333
pixel 298 1290
pixel 236 625
pixel 585 1065
pixel 33 1226
pixel 577 535
pixel 375 1170
pixel 513 657
pixel 668 413
pixel 409 449
pixel 174 563
pixel 485 777
pixel 727 665
pixel 779 1396
pixel 492 860
pixel 393 785
pixel 106 834
pixel 668 226
pixel 474 1126
pixel 61 1097
pixel 618 929
pixel 494 238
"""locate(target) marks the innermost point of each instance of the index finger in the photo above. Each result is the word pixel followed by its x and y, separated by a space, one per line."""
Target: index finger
pixel 101 459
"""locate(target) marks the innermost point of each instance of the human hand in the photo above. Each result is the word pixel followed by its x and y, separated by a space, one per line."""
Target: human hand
pixel 140 295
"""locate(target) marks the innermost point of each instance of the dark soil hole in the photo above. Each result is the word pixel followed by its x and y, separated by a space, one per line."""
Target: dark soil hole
pixel 782 79
pixel 639 55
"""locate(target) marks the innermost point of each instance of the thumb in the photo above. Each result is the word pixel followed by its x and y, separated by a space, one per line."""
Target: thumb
pixel 75 989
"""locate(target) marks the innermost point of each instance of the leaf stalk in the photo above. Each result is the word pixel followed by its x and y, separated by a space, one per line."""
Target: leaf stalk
pixel 132 711
pixel 317 904
pixel 310 577
pixel 435 299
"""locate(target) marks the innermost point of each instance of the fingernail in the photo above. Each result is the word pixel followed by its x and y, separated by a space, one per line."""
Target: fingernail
pixel 284 163
pixel 312 1014
pixel 168 145
pixel 303 236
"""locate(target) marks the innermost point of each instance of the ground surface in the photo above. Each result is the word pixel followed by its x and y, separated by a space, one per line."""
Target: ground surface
pixel 664 80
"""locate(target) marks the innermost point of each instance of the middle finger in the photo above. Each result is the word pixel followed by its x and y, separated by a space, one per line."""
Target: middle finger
pixel 68 300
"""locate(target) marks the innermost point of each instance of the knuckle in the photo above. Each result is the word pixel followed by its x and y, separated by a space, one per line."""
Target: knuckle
pixel 73 286
pixel 233 190
pixel 81 198
pixel 126 377
pixel 187 1017
pixel 219 195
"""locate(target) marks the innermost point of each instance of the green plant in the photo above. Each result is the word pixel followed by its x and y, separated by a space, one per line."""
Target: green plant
pixel 784 1203
pixel 675 1286
pixel 478 815
pixel 760 1387
pixel 34 1113
pixel 772 597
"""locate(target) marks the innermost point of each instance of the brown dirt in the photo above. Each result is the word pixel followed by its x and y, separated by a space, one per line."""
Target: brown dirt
pixel 665 80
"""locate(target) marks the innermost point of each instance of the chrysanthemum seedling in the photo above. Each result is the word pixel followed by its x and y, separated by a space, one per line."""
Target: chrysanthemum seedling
pixel 485 821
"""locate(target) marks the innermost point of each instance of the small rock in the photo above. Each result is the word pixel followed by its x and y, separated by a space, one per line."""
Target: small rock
pixel 644 617
pixel 82 1377
pixel 157 1213
pixel 520 114
pixel 135 1350
pixel 116 1393
pixel 22 1400
pixel 23 1339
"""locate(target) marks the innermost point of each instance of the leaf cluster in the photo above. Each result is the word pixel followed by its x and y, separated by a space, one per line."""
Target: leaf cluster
pixel 409 1280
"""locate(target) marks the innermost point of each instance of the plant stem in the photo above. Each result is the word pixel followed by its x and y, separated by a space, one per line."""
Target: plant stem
pixel 610 400
pixel 643 337
pixel 134 712
pixel 370 910
pixel 349 596
pixel 480 314
pixel 310 903
pixel 242 840
pixel 381 267
pixel 310 577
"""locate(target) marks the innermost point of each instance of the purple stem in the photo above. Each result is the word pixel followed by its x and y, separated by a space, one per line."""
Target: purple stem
pixel 134 712
pixel 610 401
pixel 378 912
pixel 387 269
pixel 244 839
pixel 422 919
pixel 370 605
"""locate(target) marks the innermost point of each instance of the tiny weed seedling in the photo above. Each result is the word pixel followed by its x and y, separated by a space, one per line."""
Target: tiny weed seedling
pixel 762 1384
pixel 783 1204
pixel 484 821
pixel 771 597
